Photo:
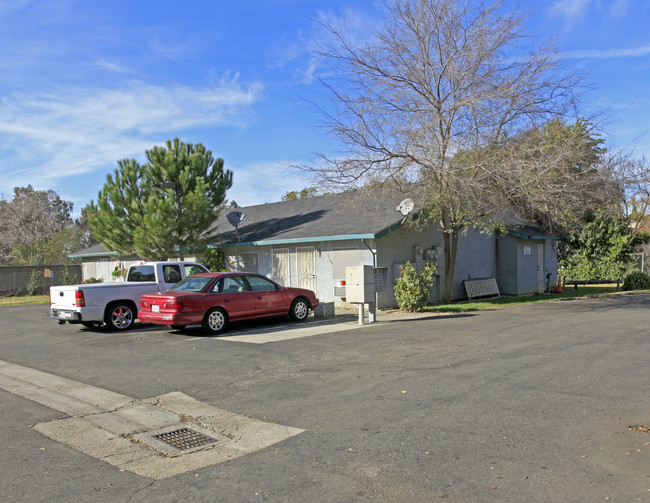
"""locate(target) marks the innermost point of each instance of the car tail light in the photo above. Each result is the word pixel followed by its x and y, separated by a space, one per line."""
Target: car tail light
pixel 172 304
pixel 79 298
pixel 143 303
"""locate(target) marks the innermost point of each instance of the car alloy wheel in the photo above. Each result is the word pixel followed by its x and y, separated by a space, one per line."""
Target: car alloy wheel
pixel 215 321
pixel 299 310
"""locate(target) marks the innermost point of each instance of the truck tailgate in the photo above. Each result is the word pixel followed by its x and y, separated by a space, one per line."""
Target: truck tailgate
pixel 63 297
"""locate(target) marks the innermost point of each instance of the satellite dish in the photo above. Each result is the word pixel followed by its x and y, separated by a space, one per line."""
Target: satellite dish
pixel 236 218
pixel 406 206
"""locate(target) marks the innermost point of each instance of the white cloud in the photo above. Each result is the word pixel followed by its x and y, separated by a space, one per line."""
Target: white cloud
pixel 608 53
pixel 74 131
pixel 109 66
pixel 570 10
pixel 357 25
pixel 574 11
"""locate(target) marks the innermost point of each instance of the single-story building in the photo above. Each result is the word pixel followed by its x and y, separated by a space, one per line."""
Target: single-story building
pixel 309 242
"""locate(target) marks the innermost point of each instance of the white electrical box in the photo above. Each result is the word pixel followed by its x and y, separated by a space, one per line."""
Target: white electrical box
pixel 360 284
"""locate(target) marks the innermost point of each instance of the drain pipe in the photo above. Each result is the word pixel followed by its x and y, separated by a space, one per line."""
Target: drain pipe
pixel 374 254
pixel 372 308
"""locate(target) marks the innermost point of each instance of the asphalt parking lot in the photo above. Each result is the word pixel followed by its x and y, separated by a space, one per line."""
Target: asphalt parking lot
pixel 532 403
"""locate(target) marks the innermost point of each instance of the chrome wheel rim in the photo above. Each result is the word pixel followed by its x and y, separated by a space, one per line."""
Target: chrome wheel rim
pixel 122 317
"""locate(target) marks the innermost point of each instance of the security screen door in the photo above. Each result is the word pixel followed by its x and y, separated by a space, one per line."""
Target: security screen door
pixel 306 267
pixel 281 271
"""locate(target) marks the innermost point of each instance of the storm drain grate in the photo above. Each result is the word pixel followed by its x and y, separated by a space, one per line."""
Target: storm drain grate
pixel 185 438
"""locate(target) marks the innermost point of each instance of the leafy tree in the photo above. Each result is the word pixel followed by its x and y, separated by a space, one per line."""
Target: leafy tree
pixel 600 251
pixel 36 228
pixel 86 236
pixel 302 194
pixel 52 250
pixel 163 207
pixel 557 175
pixel 427 105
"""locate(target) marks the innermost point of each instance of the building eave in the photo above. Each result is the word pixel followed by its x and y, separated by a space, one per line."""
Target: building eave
pixel 531 236
pixel 274 242
pixel 96 254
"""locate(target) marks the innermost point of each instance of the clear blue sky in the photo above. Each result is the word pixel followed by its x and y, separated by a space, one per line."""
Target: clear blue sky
pixel 86 83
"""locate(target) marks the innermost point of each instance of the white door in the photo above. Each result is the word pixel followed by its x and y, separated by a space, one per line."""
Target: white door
pixel 540 268
pixel 306 267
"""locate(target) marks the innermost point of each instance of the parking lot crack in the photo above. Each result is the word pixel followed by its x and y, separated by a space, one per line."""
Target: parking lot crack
pixel 138 491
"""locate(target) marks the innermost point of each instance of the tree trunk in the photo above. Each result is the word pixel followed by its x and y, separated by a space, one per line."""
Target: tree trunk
pixel 451 247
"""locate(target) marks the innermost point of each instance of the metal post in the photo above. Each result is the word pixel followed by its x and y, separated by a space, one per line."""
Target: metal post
pixel 372 312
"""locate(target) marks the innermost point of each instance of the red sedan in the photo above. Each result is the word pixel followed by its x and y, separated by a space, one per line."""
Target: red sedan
pixel 216 298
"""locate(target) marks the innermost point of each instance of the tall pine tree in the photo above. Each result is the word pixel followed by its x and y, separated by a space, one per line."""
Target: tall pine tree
pixel 164 207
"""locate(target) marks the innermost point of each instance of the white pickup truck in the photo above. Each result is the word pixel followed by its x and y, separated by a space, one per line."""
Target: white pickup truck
pixel 116 304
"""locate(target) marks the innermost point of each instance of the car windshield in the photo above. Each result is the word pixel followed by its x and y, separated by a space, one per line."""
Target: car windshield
pixel 191 284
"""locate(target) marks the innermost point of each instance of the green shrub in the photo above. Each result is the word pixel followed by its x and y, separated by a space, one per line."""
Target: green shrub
pixel 68 277
pixel 413 289
pixel 214 260
pixel 118 272
pixel 93 280
pixel 636 281
pixel 35 284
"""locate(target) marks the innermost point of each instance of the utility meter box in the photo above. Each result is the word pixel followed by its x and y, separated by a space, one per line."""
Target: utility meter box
pixel 360 284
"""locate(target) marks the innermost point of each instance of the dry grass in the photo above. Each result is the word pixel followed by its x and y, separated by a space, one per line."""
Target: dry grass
pixel 24 299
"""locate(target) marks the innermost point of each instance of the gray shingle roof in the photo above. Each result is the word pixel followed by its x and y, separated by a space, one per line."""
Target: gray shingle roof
pixel 94 251
pixel 330 217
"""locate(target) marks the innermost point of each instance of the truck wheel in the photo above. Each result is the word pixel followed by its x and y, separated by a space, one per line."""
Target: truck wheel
pixel 299 309
pixel 119 316
pixel 215 321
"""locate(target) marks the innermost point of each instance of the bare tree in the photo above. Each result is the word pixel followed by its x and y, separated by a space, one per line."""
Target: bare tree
pixel 634 176
pixel 431 101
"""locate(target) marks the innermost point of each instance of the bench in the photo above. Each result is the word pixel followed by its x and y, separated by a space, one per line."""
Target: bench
pixel 575 283
pixel 486 287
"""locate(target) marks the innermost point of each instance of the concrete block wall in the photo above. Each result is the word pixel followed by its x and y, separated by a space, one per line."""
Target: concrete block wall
pixel 14 279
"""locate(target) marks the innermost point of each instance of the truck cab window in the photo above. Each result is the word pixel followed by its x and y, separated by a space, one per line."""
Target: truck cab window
pixel 191 269
pixel 172 273
pixel 141 273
